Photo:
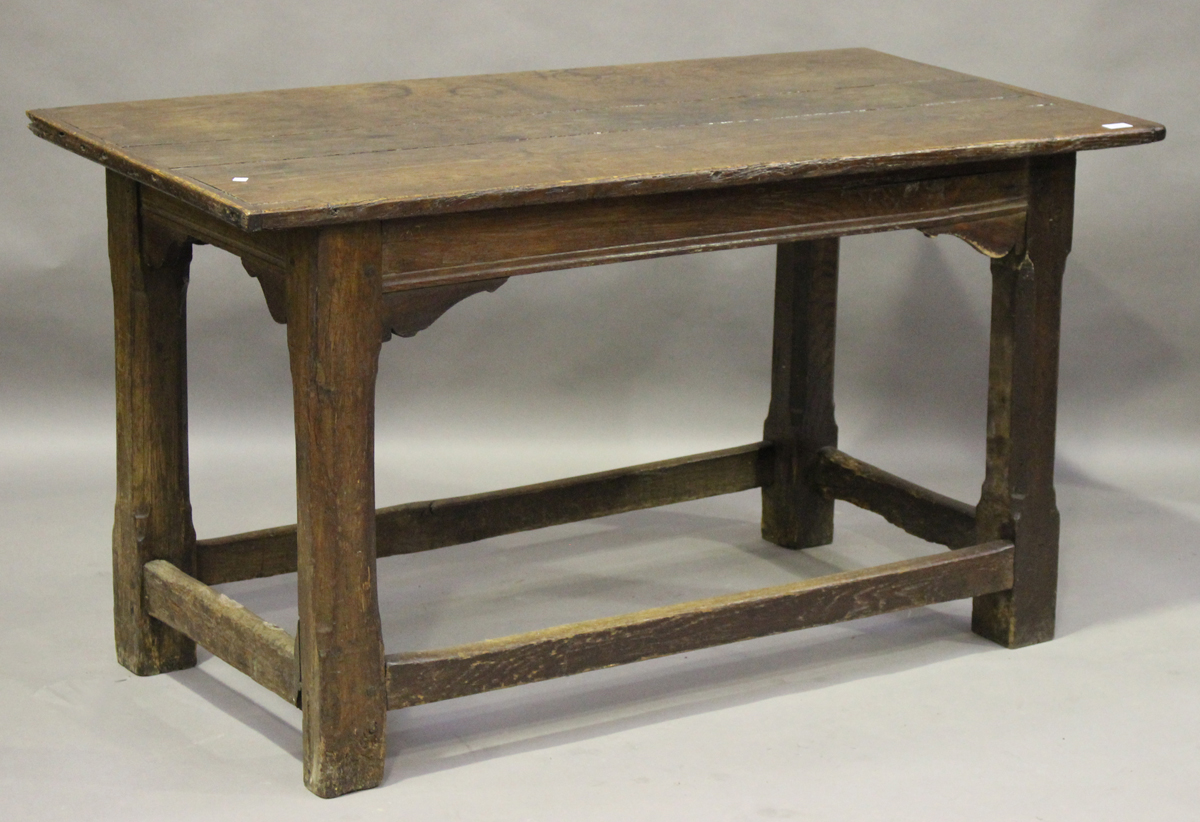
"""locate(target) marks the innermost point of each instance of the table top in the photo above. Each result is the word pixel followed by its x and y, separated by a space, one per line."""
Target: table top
pixel 303 157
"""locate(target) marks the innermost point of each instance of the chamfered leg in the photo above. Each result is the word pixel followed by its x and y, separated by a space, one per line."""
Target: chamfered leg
pixel 334 336
pixel 1018 500
pixel 153 512
pixel 800 419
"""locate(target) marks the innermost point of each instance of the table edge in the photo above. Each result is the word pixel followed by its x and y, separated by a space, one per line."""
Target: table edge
pixel 248 218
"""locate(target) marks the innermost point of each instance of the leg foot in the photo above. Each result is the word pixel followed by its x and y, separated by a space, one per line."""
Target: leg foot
pixel 153 512
pixel 334 336
pixel 800 421
pixel 1018 500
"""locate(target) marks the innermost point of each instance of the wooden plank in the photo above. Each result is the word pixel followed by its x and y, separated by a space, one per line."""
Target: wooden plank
pixel 153 516
pixel 265 248
pixel 477 245
pixel 395 132
pixel 919 511
pixel 334 308
pixel 800 420
pixel 464 99
pixel 386 150
pixel 264 652
pixel 251 555
pixel 422 526
pixel 1018 499
pixel 384 185
pixel 429 676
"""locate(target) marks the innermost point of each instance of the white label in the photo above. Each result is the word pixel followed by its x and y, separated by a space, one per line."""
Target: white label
pixel 1109 126
pixel 247 179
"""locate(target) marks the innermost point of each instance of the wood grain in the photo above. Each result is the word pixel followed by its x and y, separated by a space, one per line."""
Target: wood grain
pixel 334 309
pixel 919 511
pixel 429 676
pixel 264 248
pixel 477 245
pixel 992 236
pixel 153 516
pixel 800 420
pixel 1018 499
pixel 386 150
pixel 407 312
pixel 423 526
pixel 264 652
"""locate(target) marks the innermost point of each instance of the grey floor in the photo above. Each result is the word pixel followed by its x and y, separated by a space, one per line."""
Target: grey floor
pixel 892 718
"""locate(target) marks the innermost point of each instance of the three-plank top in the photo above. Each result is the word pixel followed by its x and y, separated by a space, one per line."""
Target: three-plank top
pixel 314 156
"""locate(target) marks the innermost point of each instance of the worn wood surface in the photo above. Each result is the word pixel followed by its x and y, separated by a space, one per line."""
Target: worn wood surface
pixel 434 189
pixel 334 306
pixel 800 420
pixel 273 281
pixel 262 651
pixel 264 248
pixel 429 676
pixel 386 150
pixel 474 245
pixel 422 526
pixel 993 236
pixel 407 312
pixel 1018 500
pixel 153 513
pixel 919 511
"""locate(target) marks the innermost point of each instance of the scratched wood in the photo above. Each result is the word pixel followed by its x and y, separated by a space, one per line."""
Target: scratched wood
pixel 334 305
pixel 368 210
pixel 477 245
pixel 423 526
pixel 264 652
pixel 919 511
pixel 153 514
pixel 1018 498
pixel 418 677
pixel 385 150
pixel 800 420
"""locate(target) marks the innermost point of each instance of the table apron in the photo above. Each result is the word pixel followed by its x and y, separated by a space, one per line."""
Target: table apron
pixel 462 247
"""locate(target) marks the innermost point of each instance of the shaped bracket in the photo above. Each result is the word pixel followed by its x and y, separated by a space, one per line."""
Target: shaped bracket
pixel 995 236
pixel 404 312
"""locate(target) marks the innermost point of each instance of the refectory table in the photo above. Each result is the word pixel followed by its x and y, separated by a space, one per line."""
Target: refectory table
pixel 369 210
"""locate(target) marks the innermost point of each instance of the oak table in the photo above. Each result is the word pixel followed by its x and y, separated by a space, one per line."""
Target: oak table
pixel 369 210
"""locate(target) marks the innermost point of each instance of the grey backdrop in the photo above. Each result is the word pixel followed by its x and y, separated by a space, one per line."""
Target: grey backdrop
pixel 586 369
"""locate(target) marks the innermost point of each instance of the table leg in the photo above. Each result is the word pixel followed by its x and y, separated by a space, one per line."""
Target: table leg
pixel 1018 500
pixel 153 512
pixel 334 336
pixel 800 420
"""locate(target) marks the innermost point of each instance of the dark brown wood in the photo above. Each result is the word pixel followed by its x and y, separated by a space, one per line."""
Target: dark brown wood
pixel 273 282
pixel 430 676
pixel 435 189
pixel 153 511
pixel 994 236
pixel 422 526
pixel 266 248
pixel 251 555
pixel 800 421
pixel 919 511
pixel 334 309
pixel 407 312
pixel 304 157
pixel 475 245
pixel 1018 500
pixel 404 313
pixel 264 652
